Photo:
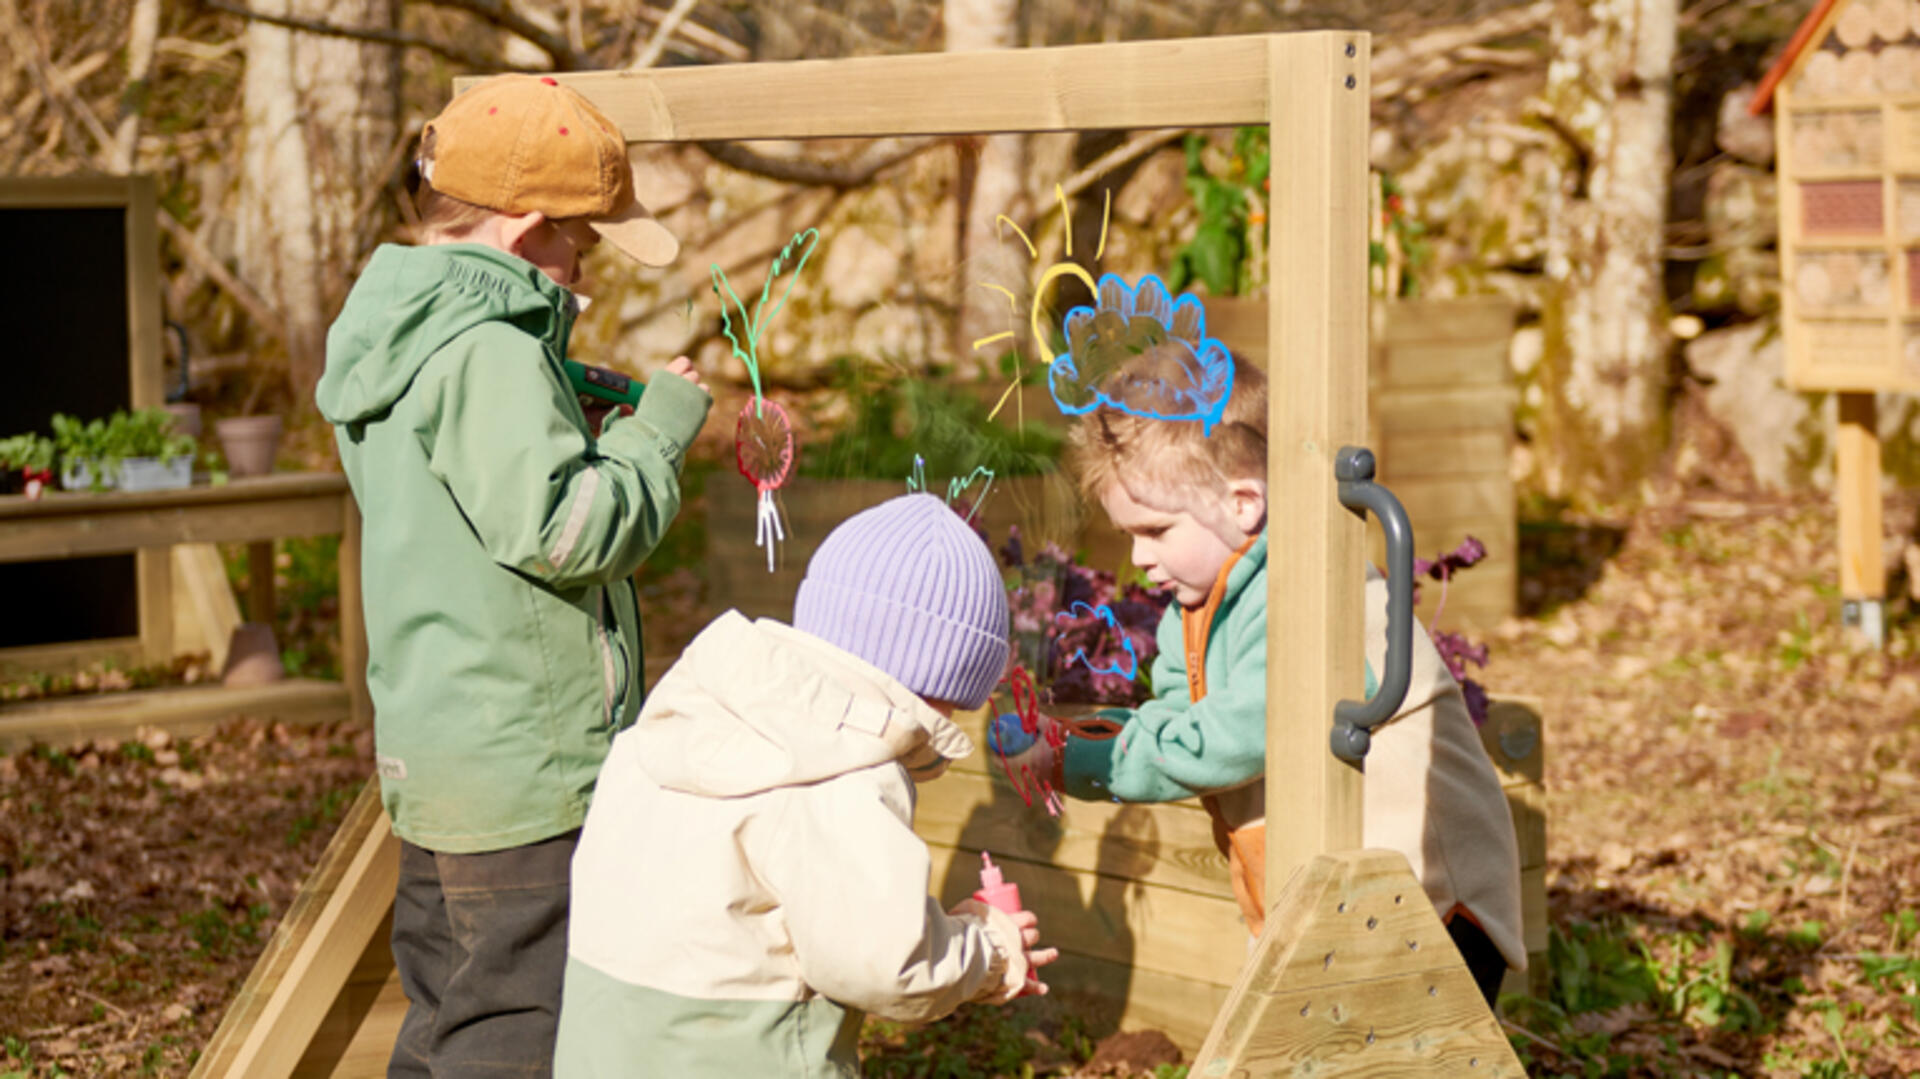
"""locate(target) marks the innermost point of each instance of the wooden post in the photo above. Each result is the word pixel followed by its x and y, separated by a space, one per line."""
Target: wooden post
pixel 260 582
pixel 353 615
pixel 1863 578
pixel 1317 333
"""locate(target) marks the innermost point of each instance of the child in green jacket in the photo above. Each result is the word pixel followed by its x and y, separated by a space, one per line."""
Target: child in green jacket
pixel 1195 503
pixel 499 538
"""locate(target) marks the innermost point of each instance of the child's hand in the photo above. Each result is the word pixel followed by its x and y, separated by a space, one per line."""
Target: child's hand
pixel 598 414
pixel 1014 935
pixel 683 367
pixel 1029 758
pixel 1029 924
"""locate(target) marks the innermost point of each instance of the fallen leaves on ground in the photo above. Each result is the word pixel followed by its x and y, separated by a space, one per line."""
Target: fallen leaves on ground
pixel 138 882
pixel 1734 837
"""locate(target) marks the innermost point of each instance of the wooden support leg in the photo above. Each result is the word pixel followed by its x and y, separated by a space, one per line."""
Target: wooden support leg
pixel 1863 579
pixel 153 572
pixel 353 622
pixel 260 582
pixel 1355 975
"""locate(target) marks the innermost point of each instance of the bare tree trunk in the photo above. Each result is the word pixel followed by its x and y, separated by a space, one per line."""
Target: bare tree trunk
pixel 322 117
pixel 1605 372
pixel 143 33
pixel 992 182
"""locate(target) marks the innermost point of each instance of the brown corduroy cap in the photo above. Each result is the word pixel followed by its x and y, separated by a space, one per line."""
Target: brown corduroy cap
pixel 520 143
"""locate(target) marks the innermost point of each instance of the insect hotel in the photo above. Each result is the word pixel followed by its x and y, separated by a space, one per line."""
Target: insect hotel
pixel 1846 101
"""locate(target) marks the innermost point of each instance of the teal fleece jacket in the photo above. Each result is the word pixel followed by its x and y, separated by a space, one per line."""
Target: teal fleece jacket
pixel 498 538
pixel 1172 748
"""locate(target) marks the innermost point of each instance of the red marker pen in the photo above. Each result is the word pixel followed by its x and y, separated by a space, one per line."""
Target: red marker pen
pixel 997 893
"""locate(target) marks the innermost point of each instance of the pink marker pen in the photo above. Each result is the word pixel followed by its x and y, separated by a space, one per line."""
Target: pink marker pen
pixel 996 892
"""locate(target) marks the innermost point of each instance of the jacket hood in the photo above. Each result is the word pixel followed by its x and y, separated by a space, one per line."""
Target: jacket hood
pixel 411 301
pixel 754 706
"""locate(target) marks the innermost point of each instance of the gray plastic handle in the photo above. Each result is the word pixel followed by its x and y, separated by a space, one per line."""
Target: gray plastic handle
pixel 1352 720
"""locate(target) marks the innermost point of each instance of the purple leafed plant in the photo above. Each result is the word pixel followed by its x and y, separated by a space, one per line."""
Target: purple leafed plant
pixel 1086 638
pixel 1454 648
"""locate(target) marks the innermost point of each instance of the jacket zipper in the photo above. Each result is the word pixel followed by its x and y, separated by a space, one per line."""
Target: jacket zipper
pixel 600 619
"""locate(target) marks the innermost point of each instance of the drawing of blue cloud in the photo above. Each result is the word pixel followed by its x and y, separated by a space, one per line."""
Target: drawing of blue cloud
pixel 1127 322
pixel 1126 669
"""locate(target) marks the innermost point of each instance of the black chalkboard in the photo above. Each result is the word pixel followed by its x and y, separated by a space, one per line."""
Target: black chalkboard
pixel 68 345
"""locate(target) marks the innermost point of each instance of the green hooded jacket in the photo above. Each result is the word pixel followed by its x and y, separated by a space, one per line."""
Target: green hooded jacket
pixel 498 541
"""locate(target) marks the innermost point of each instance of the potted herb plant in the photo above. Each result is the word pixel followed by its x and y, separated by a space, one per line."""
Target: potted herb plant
pixel 133 451
pixel 31 457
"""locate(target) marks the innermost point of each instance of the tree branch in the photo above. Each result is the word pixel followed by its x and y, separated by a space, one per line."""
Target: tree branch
pixel 839 176
pixel 1116 157
pixel 250 300
pixel 657 43
pixel 694 34
pixel 83 116
pixel 565 57
pixel 477 60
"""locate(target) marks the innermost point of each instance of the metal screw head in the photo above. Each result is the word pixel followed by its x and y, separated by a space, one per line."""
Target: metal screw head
pixel 1352 82
pixel 1352 49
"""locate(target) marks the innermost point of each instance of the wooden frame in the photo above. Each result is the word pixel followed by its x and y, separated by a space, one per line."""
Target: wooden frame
pixel 1312 89
pixel 138 196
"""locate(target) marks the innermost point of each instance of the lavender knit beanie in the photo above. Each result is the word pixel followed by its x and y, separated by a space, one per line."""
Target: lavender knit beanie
pixel 909 588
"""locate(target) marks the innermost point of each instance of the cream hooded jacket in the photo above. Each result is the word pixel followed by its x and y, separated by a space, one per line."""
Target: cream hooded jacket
pixel 748 882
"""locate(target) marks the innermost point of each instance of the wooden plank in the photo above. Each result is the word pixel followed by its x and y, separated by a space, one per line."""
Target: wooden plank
pixel 353 616
pixel 268 1029
pixel 1411 364
pixel 68 656
pixel 183 711
pixel 1462 319
pixel 143 292
pixel 251 489
pixel 68 191
pixel 204 610
pixel 1111 917
pixel 1464 408
pixel 111 529
pixel 1857 490
pixel 1355 976
pixel 355 1039
pixel 260 574
pixel 1166 846
pixel 1317 404
pixel 1099 991
pixel 1485 496
pixel 1464 452
pixel 1193 82
pixel 153 574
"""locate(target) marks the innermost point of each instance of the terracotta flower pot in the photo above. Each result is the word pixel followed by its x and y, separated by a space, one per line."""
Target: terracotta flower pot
pixel 249 443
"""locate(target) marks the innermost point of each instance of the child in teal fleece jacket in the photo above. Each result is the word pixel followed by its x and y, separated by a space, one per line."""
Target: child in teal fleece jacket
pixel 1195 504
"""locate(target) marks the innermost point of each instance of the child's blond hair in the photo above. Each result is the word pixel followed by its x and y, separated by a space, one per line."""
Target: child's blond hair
pixel 1129 446
pixel 439 212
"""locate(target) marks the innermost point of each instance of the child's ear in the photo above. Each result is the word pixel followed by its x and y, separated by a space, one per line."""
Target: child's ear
pixel 514 229
pixel 1247 504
